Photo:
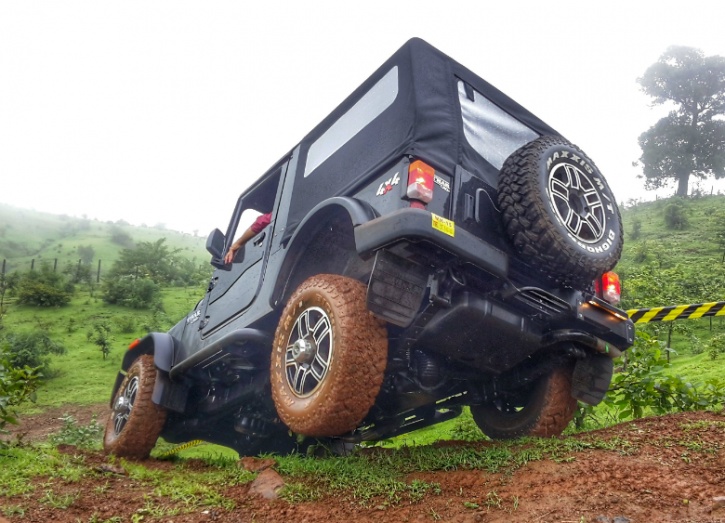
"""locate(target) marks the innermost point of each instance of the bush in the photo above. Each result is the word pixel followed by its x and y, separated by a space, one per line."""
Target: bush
pixel 43 288
pixel 636 229
pixel 32 350
pixel 16 386
pixel 139 293
pixel 716 346
pixel 643 384
pixel 126 324
pixel 675 217
pixel 102 337
pixel 88 437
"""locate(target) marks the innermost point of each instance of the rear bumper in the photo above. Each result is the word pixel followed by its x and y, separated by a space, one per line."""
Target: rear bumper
pixel 419 225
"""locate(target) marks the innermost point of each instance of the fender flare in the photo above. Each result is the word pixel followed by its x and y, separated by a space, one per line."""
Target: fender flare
pixel 160 344
pixel 357 211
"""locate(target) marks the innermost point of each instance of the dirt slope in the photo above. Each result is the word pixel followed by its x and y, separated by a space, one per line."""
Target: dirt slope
pixel 666 469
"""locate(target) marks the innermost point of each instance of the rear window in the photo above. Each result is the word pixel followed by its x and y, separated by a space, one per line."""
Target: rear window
pixel 492 132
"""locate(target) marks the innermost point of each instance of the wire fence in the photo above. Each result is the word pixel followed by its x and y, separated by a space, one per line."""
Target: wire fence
pixel 6 269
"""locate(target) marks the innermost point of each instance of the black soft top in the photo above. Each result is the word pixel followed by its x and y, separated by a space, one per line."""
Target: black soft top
pixel 423 121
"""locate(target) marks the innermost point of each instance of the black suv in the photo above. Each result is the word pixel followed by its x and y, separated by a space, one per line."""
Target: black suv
pixel 432 245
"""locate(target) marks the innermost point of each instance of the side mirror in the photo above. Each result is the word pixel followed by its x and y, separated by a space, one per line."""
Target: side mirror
pixel 215 247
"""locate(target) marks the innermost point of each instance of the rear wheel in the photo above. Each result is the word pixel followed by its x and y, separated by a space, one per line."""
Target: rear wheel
pixel 559 211
pixel 544 409
pixel 135 422
pixel 328 359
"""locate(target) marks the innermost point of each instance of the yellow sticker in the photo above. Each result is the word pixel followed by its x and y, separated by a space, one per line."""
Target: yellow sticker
pixel 443 225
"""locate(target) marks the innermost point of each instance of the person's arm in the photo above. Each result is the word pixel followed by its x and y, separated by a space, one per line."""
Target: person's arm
pixel 244 238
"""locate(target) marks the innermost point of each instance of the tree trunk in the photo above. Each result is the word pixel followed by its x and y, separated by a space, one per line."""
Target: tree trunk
pixel 682 183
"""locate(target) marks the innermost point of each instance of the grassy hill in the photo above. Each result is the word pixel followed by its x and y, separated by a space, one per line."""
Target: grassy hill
pixel 27 235
pixel 696 242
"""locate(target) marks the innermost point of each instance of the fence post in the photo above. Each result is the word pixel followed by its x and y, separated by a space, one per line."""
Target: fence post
pixel 98 274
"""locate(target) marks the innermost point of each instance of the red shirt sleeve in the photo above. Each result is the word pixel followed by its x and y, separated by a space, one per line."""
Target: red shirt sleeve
pixel 261 222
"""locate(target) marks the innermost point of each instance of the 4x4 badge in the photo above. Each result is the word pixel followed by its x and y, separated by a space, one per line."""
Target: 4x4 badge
pixel 387 186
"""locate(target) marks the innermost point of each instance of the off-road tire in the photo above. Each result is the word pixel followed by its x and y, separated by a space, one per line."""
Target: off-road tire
pixel 559 212
pixel 345 369
pixel 591 378
pixel 131 432
pixel 544 410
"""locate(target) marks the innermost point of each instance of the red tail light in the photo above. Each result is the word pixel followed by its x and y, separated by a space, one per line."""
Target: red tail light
pixel 420 183
pixel 609 288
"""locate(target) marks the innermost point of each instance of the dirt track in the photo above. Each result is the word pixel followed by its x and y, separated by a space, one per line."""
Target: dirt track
pixel 667 469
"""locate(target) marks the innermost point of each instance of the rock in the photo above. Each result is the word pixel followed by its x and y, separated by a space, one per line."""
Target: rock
pixel 112 469
pixel 621 519
pixel 718 502
pixel 256 464
pixel 267 484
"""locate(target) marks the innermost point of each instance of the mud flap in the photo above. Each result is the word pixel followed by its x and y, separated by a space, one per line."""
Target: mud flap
pixel 396 288
pixel 591 379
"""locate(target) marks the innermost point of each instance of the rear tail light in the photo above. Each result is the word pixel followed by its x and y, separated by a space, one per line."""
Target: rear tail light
pixel 609 288
pixel 420 184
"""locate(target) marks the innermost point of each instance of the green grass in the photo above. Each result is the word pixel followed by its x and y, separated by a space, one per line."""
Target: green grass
pixel 83 376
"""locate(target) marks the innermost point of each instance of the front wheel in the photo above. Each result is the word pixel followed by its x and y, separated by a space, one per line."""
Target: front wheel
pixel 544 409
pixel 136 421
pixel 328 359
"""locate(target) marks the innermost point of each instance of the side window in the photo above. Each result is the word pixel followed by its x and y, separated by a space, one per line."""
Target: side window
pixel 254 202
pixel 372 104
pixel 492 132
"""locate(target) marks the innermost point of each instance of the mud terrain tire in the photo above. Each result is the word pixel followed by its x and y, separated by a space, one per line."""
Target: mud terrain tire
pixel 544 410
pixel 328 358
pixel 135 422
pixel 559 211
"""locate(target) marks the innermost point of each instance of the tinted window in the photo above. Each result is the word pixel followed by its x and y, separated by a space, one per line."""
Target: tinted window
pixel 375 101
pixel 493 133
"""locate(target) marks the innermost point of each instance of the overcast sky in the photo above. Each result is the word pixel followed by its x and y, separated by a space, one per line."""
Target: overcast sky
pixel 164 111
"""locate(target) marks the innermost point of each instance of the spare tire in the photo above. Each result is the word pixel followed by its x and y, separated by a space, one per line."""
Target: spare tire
pixel 559 212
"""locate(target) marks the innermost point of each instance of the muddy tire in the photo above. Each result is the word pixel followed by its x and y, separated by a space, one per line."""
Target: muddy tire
pixel 328 358
pixel 135 421
pixel 544 409
pixel 559 212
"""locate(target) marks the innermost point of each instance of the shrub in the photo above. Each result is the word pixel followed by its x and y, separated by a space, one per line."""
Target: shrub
pixel 32 350
pixel 716 346
pixel 16 386
pixel 139 293
pixel 643 385
pixel 88 437
pixel 636 229
pixel 126 324
pixel 675 217
pixel 102 337
pixel 43 288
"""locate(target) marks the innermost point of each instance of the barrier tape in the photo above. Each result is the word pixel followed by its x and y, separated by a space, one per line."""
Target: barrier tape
pixel 179 448
pixel 677 312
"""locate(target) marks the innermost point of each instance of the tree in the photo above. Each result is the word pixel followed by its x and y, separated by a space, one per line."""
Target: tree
pixel 153 260
pixel 690 140
pixel 86 253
